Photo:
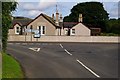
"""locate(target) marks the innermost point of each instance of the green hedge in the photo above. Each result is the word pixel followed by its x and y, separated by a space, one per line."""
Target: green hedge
pixel 109 34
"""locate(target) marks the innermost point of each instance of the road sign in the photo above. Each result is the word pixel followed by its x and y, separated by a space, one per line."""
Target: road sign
pixel 36 32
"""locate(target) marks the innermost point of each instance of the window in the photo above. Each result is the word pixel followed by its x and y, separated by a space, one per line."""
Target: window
pixel 17 30
pixel 42 30
pixel 39 29
pixel 73 31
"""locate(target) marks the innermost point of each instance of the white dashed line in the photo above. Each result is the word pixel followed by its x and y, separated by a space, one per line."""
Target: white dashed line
pixel 65 49
pixel 88 68
pixel 81 63
pixel 61 45
pixel 67 52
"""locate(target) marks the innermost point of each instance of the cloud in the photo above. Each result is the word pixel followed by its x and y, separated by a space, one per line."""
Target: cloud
pixel 44 4
pixel 36 5
pixel 34 13
pixel 119 10
pixel 112 9
pixel 108 0
pixel 34 8
pixel 27 6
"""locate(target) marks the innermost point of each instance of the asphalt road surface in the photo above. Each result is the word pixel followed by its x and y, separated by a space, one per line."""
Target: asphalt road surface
pixel 66 60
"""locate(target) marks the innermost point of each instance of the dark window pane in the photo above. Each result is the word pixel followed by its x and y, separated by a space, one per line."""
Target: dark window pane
pixel 73 31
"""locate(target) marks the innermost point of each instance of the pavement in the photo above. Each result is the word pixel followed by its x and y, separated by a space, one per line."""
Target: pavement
pixel 66 60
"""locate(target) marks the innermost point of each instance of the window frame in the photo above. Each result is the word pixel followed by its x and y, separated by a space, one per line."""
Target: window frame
pixel 17 30
pixel 73 31
pixel 42 32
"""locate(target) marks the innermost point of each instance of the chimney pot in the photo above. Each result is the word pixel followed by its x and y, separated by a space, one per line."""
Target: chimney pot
pixel 61 18
pixel 53 16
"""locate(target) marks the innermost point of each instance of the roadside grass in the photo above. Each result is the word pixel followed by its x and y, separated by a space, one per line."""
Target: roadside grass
pixel 10 67
pixel 0 66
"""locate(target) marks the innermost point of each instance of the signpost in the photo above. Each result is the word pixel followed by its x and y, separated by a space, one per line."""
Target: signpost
pixel 36 33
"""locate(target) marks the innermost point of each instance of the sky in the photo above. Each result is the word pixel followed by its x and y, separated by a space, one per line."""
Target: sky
pixel 32 8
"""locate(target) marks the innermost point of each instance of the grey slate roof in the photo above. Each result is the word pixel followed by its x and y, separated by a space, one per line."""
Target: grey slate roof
pixel 69 24
pixel 25 21
pixel 21 22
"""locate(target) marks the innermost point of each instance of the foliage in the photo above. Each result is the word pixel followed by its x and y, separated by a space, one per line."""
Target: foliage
pixel 113 26
pixel 7 8
pixel 93 13
pixel 109 34
pixel 11 68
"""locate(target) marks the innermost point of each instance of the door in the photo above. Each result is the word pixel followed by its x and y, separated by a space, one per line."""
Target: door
pixel 68 32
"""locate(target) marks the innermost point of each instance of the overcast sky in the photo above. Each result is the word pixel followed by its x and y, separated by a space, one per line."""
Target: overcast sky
pixel 32 8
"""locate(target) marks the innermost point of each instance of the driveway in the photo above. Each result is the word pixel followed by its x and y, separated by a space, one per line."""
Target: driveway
pixel 66 60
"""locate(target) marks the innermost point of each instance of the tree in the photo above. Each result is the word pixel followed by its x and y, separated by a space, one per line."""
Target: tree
pixel 113 26
pixel 7 8
pixel 93 13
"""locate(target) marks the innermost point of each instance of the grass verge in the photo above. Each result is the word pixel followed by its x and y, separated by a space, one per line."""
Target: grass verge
pixel 0 66
pixel 10 67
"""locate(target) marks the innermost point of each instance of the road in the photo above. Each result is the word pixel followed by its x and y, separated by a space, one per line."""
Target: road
pixel 66 60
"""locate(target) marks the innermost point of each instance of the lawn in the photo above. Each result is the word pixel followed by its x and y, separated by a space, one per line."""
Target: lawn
pixel 10 67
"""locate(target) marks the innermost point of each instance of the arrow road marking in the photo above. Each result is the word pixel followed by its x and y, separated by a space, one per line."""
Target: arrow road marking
pixel 35 49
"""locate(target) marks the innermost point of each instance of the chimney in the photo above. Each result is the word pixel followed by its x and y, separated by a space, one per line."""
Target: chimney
pixel 57 17
pixel 61 18
pixel 53 17
pixel 80 18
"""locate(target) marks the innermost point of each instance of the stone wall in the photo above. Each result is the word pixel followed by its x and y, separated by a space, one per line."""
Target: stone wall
pixel 106 39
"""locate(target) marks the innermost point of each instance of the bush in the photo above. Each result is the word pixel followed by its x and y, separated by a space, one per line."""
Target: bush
pixel 109 34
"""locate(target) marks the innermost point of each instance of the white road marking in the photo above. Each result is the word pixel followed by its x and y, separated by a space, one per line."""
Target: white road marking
pixel 35 49
pixel 61 45
pixel 88 68
pixel 38 49
pixel 67 52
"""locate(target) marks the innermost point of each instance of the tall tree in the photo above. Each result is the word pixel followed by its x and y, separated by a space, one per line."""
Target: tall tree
pixel 93 13
pixel 7 8
pixel 114 26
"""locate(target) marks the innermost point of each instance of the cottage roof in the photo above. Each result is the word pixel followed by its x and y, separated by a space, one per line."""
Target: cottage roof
pixel 69 24
pixel 21 21
pixel 91 25
pixel 50 19
pixel 46 17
